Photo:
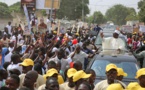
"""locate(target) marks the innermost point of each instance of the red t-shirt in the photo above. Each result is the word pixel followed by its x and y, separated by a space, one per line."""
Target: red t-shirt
pixel 74 41
pixel 129 41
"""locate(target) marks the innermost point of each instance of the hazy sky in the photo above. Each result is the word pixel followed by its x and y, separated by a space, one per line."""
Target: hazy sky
pixel 98 5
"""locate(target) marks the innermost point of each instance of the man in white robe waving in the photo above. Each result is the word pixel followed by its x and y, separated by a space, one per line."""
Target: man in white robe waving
pixel 113 44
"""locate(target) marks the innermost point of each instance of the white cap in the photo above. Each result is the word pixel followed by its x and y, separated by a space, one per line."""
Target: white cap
pixel 117 31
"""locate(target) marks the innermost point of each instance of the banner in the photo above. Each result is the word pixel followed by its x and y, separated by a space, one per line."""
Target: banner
pixel 40 4
pixel 46 4
pixel 27 28
pixel 26 31
pixel 30 4
pixel 142 28
pixel 56 4
pixel 126 28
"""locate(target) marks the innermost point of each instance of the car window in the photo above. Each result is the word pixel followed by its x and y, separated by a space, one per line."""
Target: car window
pixel 99 66
pixel 98 40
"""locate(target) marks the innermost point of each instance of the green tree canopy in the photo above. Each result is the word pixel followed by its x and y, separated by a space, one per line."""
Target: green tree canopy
pixel 4 11
pixel 119 13
pixel 141 7
pixel 97 17
pixel 132 16
pixel 16 7
pixel 72 9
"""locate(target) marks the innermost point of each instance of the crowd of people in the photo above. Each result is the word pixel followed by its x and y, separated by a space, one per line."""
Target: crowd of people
pixel 53 60
pixel 136 43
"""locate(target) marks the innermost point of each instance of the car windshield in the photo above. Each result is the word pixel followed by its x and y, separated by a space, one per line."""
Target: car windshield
pixel 99 66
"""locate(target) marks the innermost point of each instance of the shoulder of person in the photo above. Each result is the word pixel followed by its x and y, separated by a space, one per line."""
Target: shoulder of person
pixel 61 87
pixel 42 87
pixel 40 77
pixel 101 82
pixel 22 76
pixel 123 84
pixel 63 84
pixel 98 85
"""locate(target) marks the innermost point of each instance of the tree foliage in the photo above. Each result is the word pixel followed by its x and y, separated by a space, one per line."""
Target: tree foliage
pixel 132 16
pixel 97 17
pixel 141 7
pixel 16 7
pixel 119 14
pixel 4 11
pixel 72 9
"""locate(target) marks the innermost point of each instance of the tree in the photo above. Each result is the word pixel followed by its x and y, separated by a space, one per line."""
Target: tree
pixel 141 7
pixel 97 17
pixel 4 11
pixel 16 7
pixel 118 14
pixel 72 9
pixel 132 16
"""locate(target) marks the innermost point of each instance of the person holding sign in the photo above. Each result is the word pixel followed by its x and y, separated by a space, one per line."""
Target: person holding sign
pixel 42 26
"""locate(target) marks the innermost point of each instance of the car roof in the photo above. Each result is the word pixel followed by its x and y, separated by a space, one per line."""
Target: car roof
pixel 112 59
pixel 119 58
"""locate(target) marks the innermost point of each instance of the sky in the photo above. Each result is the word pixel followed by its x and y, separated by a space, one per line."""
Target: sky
pixel 97 5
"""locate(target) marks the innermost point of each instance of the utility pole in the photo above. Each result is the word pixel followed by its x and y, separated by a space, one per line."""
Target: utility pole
pixel 83 10
pixel 52 3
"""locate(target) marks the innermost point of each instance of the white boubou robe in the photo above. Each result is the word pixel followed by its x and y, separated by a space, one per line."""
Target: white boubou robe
pixel 111 45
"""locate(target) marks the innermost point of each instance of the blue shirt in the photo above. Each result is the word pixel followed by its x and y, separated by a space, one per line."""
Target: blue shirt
pixel 4 50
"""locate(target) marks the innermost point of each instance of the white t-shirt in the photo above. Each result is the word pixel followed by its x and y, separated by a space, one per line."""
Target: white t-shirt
pixel 48 21
pixel 54 49
pixel 8 57
pixel 66 87
pixel 102 85
pixel 79 57
pixel 14 66
pixel 9 29
pixel 36 21
pixel 11 49
pixel 19 37
pixel 13 39
pixel 2 83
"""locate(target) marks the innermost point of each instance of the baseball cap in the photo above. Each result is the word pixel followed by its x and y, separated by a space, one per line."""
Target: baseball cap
pixel 121 72
pixel 117 31
pixel 54 32
pixel 51 72
pixel 115 86
pixel 71 72
pixel 60 78
pixel 27 62
pixel 140 72
pixel 133 86
pixel 134 33
pixel 111 66
pixel 77 34
pixel 80 75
